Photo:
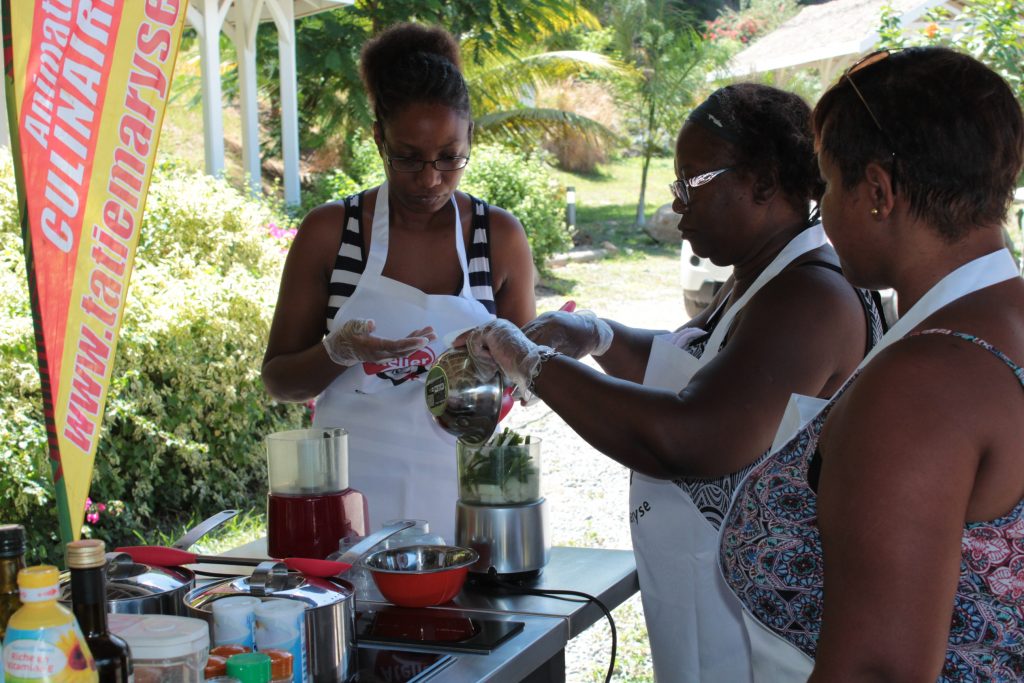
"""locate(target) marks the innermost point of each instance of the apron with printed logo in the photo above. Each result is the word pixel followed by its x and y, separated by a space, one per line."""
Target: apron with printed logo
pixel 397 455
pixel 694 623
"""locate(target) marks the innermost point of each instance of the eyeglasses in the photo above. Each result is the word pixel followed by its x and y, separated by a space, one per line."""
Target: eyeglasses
pixel 680 189
pixel 860 65
pixel 408 165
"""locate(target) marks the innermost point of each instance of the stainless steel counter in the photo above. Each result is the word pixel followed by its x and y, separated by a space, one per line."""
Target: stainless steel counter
pixel 535 654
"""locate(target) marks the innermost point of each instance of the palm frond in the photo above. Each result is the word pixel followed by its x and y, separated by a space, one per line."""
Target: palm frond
pixel 528 125
pixel 505 82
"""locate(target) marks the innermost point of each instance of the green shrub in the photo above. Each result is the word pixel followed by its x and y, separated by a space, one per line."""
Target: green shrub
pixel 186 411
pixel 526 188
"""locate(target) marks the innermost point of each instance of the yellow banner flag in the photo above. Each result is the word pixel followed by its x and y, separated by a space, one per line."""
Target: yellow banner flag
pixel 87 84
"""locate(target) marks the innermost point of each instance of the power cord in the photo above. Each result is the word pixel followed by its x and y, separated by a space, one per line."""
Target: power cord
pixel 567 595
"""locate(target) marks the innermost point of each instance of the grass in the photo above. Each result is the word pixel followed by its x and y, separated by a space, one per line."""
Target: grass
pixel 606 202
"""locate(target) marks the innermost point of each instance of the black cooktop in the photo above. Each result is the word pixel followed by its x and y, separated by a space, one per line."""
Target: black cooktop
pixel 398 666
pixel 435 630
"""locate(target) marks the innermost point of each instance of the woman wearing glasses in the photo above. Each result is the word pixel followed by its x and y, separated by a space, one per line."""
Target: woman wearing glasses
pixel 374 284
pixel 691 411
pixel 886 541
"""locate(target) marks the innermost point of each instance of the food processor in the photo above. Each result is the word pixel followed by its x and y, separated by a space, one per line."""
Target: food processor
pixel 500 513
pixel 310 506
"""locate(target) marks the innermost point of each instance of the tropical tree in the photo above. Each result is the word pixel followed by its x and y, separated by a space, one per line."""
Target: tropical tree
pixel 659 40
pixel 991 30
pixel 500 52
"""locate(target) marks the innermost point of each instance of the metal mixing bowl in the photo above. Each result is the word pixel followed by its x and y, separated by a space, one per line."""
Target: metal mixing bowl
pixel 461 403
pixel 420 575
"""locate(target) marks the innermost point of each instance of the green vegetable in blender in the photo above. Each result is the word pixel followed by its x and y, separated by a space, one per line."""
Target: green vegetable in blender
pixel 499 472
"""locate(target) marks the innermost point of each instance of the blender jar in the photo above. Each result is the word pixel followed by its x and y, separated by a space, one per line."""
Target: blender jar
pixel 310 506
pixel 499 474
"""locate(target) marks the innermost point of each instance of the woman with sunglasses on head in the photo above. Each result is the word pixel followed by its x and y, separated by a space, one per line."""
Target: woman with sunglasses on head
pixel 373 285
pixel 691 411
pixel 886 541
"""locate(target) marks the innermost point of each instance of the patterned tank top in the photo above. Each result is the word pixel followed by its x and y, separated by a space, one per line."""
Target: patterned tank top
pixel 712 496
pixel 771 557
pixel 351 258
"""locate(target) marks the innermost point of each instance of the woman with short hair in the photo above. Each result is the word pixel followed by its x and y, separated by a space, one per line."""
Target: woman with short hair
pixel 886 541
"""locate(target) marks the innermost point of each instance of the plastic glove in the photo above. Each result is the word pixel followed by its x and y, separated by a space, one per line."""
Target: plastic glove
pixel 574 334
pixel 500 345
pixel 353 343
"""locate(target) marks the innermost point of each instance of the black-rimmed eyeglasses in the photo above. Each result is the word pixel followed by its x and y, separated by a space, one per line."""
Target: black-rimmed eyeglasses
pixel 409 165
pixel 680 189
pixel 860 65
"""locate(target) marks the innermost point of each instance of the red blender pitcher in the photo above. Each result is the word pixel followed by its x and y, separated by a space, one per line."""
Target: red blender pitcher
pixel 310 506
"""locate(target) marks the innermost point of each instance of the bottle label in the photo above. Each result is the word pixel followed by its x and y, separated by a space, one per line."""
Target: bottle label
pixel 39 594
pixel 56 654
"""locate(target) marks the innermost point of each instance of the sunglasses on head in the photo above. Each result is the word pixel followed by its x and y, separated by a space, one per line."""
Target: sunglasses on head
pixel 860 65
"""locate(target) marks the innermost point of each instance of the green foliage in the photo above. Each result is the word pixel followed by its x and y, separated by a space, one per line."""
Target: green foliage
pixel 660 41
pixel 186 410
pixel 991 30
pixel 332 102
pixel 527 189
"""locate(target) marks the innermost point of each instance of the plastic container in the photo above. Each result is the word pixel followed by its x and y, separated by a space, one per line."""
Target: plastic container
pixel 234 620
pixel 164 648
pixel 499 474
pixel 281 626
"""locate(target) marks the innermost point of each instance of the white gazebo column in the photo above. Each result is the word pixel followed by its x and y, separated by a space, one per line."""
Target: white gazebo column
pixel 244 37
pixel 283 12
pixel 207 17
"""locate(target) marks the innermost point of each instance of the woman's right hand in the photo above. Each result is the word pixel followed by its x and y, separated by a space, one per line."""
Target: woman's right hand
pixel 573 334
pixel 353 343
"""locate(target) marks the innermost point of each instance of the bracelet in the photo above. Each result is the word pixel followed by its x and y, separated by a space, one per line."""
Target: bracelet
pixel 546 354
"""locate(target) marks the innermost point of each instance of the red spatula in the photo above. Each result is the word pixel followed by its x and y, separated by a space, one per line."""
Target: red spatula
pixel 172 557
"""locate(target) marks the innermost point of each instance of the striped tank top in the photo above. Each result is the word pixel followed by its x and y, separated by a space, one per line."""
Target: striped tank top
pixel 351 258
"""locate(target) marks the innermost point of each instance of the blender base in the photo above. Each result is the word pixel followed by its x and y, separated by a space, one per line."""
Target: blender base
pixel 512 540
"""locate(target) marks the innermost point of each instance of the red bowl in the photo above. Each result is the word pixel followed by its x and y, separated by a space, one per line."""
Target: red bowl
pixel 420 575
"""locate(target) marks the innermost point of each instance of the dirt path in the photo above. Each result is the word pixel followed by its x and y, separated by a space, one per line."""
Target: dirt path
pixel 587 492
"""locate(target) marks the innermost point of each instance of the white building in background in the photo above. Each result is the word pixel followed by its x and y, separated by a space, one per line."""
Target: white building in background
pixel 828 37
pixel 239 19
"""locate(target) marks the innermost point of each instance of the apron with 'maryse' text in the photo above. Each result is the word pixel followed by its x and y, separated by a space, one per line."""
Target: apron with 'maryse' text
pixel 694 623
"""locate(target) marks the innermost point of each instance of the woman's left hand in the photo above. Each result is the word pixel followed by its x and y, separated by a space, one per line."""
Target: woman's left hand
pixel 500 345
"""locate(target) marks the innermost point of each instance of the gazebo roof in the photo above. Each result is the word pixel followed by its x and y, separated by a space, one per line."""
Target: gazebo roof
pixel 302 8
pixel 819 35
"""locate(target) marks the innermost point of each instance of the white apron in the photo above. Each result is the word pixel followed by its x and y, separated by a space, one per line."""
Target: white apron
pixel 397 455
pixel 774 659
pixel 694 623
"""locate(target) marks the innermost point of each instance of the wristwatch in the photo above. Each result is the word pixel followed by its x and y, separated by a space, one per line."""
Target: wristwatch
pixel 546 354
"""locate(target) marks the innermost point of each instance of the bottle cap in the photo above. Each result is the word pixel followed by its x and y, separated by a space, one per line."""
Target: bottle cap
pixel 86 554
pixel 229 649
pixel 38 584
pixel 216 665
pixel 281 664
pixel 12 540
pixel 251 667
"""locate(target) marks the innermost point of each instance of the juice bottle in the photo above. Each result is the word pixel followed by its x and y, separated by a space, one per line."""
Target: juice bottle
pixel 43 642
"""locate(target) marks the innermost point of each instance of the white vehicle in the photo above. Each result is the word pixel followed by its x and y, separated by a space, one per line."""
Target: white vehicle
pixel 701 279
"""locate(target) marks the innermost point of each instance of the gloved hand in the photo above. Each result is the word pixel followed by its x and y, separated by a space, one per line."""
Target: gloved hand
pixel 353 343
pixel 500 345
pixel 574 334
